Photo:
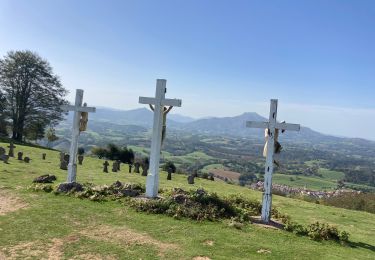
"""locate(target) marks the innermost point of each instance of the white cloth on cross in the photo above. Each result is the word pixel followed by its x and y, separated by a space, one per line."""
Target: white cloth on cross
pixel 266 135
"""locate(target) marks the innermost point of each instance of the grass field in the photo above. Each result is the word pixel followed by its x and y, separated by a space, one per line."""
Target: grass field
pixel 312 183
pixel 62 227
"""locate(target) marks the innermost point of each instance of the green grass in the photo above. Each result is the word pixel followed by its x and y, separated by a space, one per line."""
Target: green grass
pixel 49 217
pixel 207 168
pixel 331 175
pixel 312 183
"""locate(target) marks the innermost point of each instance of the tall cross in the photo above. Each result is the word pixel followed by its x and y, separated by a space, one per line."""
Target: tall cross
pixel 271 125
pixel 77 108
pixel 159 101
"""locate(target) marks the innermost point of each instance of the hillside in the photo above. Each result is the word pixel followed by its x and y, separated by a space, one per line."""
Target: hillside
pixel 229 143
pixel 41 224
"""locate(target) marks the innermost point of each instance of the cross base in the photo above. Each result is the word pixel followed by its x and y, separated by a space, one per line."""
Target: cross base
pixel 72 173
pixel 152 185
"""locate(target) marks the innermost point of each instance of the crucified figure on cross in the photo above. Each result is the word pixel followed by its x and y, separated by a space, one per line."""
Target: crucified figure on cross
pixel 165 112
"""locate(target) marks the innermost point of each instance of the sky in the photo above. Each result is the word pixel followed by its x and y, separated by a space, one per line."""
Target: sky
pixel 222 58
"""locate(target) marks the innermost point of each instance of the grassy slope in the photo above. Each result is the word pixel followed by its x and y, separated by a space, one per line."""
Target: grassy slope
pixel 49 216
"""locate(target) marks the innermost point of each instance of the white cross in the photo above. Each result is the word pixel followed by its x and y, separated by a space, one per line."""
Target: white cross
pixel 77 108
pixel 271 125
pixel 152 183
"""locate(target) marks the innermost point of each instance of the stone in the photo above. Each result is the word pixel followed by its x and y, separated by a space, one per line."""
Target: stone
pixel 44 156
pixel 190 179
pixel 4 158
pixel 130 192
pixel 117 185
pixel 80 159
pixel 136 167
pixel 11 149
pixel 180 198
pixel 45 179
pixel 114 166
pixel 105 166
pixel 19 156
pixel 27 159
pixel 62 156
pixel 169 176
pixel 2 151
pixel 130 167
pixel 70 187
pixel 66 157
pixel 64 165
pixel 118 165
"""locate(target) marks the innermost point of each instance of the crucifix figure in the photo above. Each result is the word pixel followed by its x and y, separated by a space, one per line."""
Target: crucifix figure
pixel 159 102
pixel 272 129
pixel 165 112
pixel 79 124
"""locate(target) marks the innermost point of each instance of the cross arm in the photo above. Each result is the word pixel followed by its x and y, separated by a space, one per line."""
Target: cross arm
pixel 165 102
pixel 147 100
pixel 289 127
pixel 78 109
pixel 257 124
pixel 172 102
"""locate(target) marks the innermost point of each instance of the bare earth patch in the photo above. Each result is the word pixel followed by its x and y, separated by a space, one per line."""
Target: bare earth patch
pixel 90 256
pixel 263 251
pixel 208 243
pixel 126 236
pixel 37 249
pixel 10 203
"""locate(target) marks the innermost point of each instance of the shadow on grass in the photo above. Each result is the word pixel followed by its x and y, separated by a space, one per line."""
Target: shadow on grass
pixel 362 245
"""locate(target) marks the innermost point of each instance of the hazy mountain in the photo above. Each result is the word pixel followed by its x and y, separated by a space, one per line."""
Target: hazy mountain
pixel 128 120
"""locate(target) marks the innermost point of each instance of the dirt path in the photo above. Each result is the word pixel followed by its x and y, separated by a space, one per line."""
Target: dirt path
pixel 10 202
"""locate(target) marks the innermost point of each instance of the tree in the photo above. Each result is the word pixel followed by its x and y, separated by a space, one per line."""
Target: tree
pixel 32 92
pixel 3 122
pixel 35 131
pixel 51 136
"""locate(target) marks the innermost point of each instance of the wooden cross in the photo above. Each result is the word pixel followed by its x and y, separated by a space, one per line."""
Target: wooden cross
pixel 77 108
pixel 159 101
pixel 271 125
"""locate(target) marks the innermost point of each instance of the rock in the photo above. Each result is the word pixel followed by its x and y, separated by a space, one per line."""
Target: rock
pixel 105 166
pixel 26 159
pixel 80 159
pixel 180 198
pixel 130 192
pixel 190 179
pixel 4 158
pixel 63 165
pixel 70 187
pixel 117 185
pixel 11 149
pixel 115 166
pixel 45 179
pixel 200 192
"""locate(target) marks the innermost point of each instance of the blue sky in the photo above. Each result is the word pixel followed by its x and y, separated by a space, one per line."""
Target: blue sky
pixel 222 58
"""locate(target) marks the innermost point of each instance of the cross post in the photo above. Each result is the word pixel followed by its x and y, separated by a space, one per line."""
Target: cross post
pixel 77 108
pixel 271 125
pixel 159 101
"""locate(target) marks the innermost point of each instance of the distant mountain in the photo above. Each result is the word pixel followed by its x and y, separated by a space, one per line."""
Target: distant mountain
pixel 127 120
pixel 180 118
